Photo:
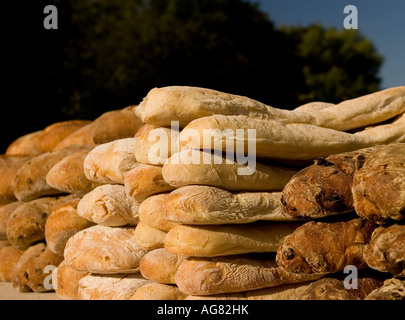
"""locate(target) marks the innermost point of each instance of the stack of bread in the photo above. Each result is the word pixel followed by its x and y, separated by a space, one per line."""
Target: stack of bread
pixel 199 194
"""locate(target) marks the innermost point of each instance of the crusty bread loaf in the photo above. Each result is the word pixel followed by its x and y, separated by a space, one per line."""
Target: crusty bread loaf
pixel 68 176
pixel 386 250
pixel 82 136
pixel 324 188
pixel 30 181
pixel 5 212
pixel 184 104
pixel 392 289
pixel 208 276
pixel 114 125
pixel 194 167
pixel 158 291
pixel 109 205
pixel 9 256
pixel 379 184
pixel 65 281
pixel 154 145
pixel 104 250
pixel 161 266
pixel 325 247
pixel 152 212
pixel 211 241
pixel 29 273
pixel 144 181
pixel 148 237
pixel 314 106
pixel 8 173
pixel 110 287
pixel 205 205
pixel 62 223
pixel 25 145
pixel 108 162
pixel 26 224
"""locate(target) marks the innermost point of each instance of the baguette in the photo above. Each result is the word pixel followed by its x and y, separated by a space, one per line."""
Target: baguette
pixel 145 181
pixel 82 136
pixel 26 224
pixel 109 287
pixel 209 276
pixel 104 250
pixel 325 247
pixel 152 212
pixel 211 241
pixel 108 162
pixel 386 250
pixel 68 176
pixel 204 205
pixel 108 205
pixel 379 184
pixel 29 273
pixel 30 181
pixel 193 167
pixel 5 211
pixel 25 145
pixel 65 281
pixel 158 291
pixel 148 237
pixel 161 266
pixel 154 145
pixel 62 223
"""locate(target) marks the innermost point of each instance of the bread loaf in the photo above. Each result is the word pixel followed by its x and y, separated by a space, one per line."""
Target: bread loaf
pixel 8 173
pixel 324 188
pixel 325 247
pixel 26 224
pixel 108 162
pixel 82 136
pixel 158 291
pixel 161 266
pixel 148 237
pixel 62 223
pixel 184 104
pixel 115 125
pixel 5 212
pixel 152 212
pixel 68 176
pixel 386 250
pixel 104 250
pixel 379 184
pixel 30 181
pixel 193 167
pixel 211 241
pixel 9 256
pixel 65 281
pixel 25 145
pixel 109 205
pixel 154 145
pixel 144 181
pixel 209 276
pixel 204 205
pixel 30 271
pixel 392 289
pixel 110 287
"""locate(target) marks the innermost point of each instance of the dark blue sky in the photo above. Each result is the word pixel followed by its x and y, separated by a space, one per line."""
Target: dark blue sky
pixel 383 22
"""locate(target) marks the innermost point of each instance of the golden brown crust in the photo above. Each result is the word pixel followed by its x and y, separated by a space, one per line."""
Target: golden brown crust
pixel 325 247
pixel 29 273
pixel 386 250
pixel 158 291
pixel 392 289
pixel 379 184
pixel 9 256
pixel 5 212
pixel 65 281
pixel 25 145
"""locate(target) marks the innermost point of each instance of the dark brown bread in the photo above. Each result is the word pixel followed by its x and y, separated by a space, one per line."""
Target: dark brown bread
pixel 325 247
pixel 392 289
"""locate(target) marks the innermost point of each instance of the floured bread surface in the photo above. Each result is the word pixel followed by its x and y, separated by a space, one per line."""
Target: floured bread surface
pixel 104 250
pixel 108 162
pixel 110 287
pixel 158 291
pixel 110 206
